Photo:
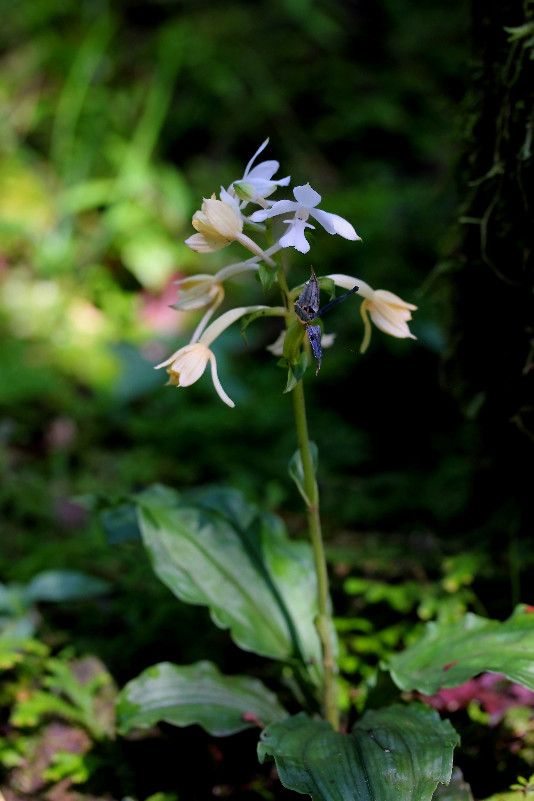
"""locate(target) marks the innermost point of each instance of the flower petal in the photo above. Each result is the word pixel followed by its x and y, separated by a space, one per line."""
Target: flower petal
pixel 265 170
pixel 335 224
pixel 390 313
pixel 390 321
pixel 348 281
pixel 231 200
pixel 280 207
pixel 196 291
pixel 204 243
pixel 306 196
pixel 394 300
pixel 277 347
pixel 224 218
pixel 217 384
pixel 255 156
pixel 190 363
pixel 366 327
pixel 221 323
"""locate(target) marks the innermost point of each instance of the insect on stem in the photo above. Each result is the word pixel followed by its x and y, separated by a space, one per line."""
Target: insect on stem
pixel 307 309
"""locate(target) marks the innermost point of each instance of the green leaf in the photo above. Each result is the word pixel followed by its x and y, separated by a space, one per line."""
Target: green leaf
pixel 293 341
pixel 217 550
pixel 295 372
pixel 270 311
pixel 399 753
pixel 296 470
pixel 64 585
pixel 448 655
pixel 197 693
pixel 456 790
pixel 267 275
pixel 327 285
pixel 66 765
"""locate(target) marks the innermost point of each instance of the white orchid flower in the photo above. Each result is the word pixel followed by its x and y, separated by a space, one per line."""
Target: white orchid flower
pixel 197 291
pixel 256 183
pixel 219 223
pixel 304 206
pixel 188 364
pixel 387 311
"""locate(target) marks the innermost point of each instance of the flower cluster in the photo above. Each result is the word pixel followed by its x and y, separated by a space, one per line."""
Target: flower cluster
pixel 222 221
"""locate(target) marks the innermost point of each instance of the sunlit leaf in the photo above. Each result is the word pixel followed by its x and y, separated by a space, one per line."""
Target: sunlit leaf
pixel 448 655
pixel 396 754
pixel 183 695
pixel 221 552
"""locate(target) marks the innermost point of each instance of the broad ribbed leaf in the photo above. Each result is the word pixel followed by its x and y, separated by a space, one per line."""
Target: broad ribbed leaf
pixel 198 693
pixel 396 754
pixel 456 790
pixel 448 655
pixel 219 551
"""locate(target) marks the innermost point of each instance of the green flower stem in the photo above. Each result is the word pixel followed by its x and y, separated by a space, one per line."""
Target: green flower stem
pixel 324 621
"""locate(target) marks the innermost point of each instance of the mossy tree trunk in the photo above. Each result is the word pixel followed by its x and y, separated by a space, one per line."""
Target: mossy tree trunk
pixel 490 280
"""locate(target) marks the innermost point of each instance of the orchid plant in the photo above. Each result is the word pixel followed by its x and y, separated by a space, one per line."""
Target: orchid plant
pixel 214 549
pixel 220 222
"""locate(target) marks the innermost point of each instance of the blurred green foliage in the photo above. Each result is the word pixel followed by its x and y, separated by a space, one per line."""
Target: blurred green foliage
pixel 115 120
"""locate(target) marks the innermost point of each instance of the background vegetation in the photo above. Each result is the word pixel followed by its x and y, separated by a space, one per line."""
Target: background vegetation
pixel 115 120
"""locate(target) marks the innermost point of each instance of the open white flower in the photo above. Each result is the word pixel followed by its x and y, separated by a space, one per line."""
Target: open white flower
pixel 387 311
pixel 188 364
pixel 257 183
pixel 304 206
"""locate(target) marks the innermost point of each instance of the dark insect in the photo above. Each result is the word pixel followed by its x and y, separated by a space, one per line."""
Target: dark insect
pixel 307 309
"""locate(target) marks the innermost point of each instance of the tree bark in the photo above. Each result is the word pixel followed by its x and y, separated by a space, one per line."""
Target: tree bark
pixel 490 275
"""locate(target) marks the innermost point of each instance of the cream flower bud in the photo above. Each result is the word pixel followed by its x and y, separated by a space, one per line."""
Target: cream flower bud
pixel 387 311
pixel 217 223
pixel 197 291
